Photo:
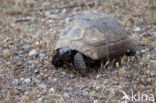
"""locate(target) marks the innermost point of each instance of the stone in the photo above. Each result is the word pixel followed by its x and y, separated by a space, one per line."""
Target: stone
pixel 33 52
pixel 26 47
pixel 42 86
pixel 42 55
pixel 22 89
pixel 66 95
pixel 27 80
pixel 153 63
pixel 137 29
pixel 51 90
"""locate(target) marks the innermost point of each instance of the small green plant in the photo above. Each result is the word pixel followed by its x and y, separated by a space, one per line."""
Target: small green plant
pixel 12 10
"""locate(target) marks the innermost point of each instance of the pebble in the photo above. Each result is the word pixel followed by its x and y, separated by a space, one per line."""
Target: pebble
pixel 39 43
pixel 27 80
pixel 54 79
pixel 16 82
pixel 30 73
pixel 25 47
pixel 67 20
pixel 36 71
pixel 155 34
pixel 97 88
pixel 53 16
pixel 39 65
pixel 6 53
pixel 45 3
pixel 66 95
pixel 70 89
pixel 51 90
pixel 87 89
pixel 95 101
pixel 42 55
pixel 64 11
pixel 153 62
pixel 32 52
pixel 137 29
pixel 42 86
pixel 51 21
pixel 22 89
pixel 143 51
pixel 98 76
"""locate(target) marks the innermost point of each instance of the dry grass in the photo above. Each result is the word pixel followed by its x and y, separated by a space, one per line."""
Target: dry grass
pixel 47 20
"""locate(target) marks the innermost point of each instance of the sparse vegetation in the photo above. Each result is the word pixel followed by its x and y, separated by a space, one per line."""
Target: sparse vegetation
pixel 27 75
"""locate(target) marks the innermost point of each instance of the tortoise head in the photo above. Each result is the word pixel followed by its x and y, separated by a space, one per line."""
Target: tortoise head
pixel 65 54
pixel 60 56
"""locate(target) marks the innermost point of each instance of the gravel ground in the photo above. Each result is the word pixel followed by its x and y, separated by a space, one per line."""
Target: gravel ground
pixel 28 31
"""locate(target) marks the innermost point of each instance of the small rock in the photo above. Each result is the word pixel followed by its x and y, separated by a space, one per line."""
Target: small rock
pixel 32 52
pixel 45 3
pixel 30 73
pixel 22 89
pixel 39 65
pixel 54 79
pixel 66 95
pixel 95 101
pixel 70 89
pixel 67 20
pixel 16 82
pixel 143 51
pixel 6 53
pixel 87 89
pixel 155 34
pixel 21 79
pixel 97 88
pixel 25 47
pixel 98 76
pixel 40 99
pixel 36 71
pixel 51 21
pixel 53 16
pixel 42 55
pixel 27 80
pixel 51 90
pixel 137 29
pixel 153 62
pixel 39 43
pixel 42 86
pixel 72 76
pixel 64 11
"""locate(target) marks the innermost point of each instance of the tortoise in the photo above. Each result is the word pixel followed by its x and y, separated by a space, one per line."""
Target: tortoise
pixel 90 39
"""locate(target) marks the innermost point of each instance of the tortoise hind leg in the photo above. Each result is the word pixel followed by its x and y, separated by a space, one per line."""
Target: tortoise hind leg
pixel 79 63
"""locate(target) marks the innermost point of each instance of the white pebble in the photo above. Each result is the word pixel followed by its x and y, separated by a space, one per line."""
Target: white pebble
pixel 27 80
pixel 137 29
pixel 51 90
pixel 66 95
pixel 64 11
pixel 153 62
pixel 32 52
pixel 42 55
pixel 42 86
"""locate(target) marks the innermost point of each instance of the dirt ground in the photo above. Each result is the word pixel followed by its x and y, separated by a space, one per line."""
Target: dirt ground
pixel 28 32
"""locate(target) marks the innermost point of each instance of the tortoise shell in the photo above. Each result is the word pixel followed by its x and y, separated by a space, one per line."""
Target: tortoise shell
pixel 96 36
